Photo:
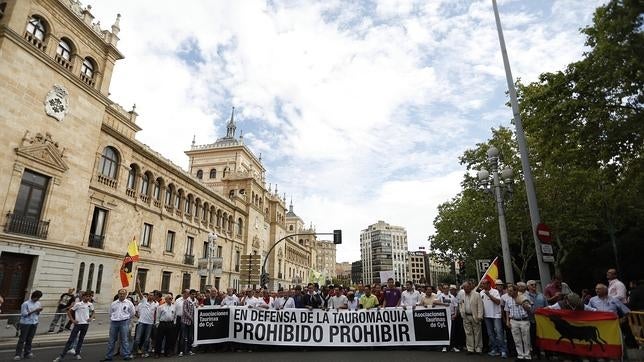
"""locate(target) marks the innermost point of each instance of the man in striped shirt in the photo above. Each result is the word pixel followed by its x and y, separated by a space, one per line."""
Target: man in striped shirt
pixel 517 309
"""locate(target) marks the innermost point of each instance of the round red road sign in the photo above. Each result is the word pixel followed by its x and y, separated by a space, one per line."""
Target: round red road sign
pixel 543 233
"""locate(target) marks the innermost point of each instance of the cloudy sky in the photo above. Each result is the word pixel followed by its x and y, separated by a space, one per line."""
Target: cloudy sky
pixel 360 109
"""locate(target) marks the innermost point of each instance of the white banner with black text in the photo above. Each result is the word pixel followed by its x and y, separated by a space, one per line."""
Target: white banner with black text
pixel 338 328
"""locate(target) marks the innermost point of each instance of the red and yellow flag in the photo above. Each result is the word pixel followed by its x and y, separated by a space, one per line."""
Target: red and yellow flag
pixel 580 333
pixel 127 268
pixel 492 272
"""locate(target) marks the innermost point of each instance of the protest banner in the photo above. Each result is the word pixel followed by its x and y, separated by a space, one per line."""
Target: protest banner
pixel 313 328
pixel 581 333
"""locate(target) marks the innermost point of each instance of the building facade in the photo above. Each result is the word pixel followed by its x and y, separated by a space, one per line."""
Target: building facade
pixel 325 258
pixel 383 248
pixel 416 267
pixel 356 272
pixel 78 186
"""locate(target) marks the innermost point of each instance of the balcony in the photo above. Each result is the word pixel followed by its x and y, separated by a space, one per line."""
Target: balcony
pixel 279 275
pixel 109 182
pixel 145 198
pixel 65 63
pixel 88 80
pixel 26 226
pixel 95 241
pixel 189 259
pixel 131 193
pixel 35 41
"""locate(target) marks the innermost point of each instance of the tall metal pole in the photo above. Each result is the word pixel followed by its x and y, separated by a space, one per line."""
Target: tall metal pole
pixel 498 196
pixel 544 269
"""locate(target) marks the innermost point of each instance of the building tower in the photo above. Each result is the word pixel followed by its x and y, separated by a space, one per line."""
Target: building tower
pixel 383 248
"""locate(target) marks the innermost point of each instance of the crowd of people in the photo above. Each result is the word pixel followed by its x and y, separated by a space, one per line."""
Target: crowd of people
pixel 161 324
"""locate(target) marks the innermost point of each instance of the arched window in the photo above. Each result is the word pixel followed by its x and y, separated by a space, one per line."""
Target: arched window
pixel 290 228
pixel 81 272
pixel 145 183
pixel 240 226
pixel 226 170
pixel 156 191
pixel 199 174
pixel 64 49
pixel 90 276
pixel 168 195
pixel 36 27
pixel 99 279
pixel 131 178
pixel 230 223
pixel 177 199
pixel 88 68
pixel 213 173
pixel 109 162
pixel 218 218
pixel 188 205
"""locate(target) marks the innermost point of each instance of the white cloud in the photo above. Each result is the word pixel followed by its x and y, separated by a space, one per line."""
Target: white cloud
pixel 360 110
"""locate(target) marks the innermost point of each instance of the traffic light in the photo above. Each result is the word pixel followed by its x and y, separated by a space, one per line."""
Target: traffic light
pixel 264 279
pixel 337 236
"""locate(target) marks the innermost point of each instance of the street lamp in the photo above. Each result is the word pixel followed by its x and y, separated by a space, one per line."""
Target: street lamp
pixel 500 185
pixel 212 238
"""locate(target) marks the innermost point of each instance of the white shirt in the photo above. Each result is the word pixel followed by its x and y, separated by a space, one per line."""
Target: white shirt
pixel 83 310
pixel 409 299
pixel 165 313
pixel 278 303
pixel 337 301
pixel 178 307
pixel 290 303
pixel 617 289
pixel 121 310
pixel 255 302
pixel 230 300
pixel 146 311
pixel 491 309
pixel 353 305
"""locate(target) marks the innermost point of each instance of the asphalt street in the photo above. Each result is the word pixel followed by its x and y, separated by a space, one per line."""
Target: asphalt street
pixel 96 351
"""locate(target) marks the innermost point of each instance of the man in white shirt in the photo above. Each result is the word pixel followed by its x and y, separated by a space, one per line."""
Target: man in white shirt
pixel 165 317
pixel 352 302
pixel 230 299
pixel 145 310
pixel 121 311
pixel 278 303
pixel 256 301
pixel 178 312
pixel 410 297
pixel 338 300
pixel 493 322
pixel 290 301
pixel 616 288
pixel 79 314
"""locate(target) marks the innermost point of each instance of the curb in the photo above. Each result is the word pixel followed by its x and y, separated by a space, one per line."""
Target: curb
pixel 11 345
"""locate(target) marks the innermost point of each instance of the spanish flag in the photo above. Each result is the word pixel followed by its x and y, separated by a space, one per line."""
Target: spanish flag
pixel 492 272
pixel 581 333
pixel 127 267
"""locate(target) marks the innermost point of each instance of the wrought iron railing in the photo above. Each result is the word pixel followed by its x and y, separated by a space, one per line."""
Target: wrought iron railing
pixel 96 241
pixel 189 259
pixel 26 225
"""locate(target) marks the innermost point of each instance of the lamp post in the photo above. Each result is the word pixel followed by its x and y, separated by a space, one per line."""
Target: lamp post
pixel 544 269
pixel 212 238
pixel 498 189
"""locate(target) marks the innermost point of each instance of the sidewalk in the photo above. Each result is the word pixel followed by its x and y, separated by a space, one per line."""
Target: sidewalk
pixel 98 332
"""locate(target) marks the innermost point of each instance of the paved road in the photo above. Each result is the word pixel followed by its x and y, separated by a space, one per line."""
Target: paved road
pixel 94 352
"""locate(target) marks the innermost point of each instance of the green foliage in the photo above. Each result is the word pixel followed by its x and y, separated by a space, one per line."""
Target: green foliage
pixel 584 130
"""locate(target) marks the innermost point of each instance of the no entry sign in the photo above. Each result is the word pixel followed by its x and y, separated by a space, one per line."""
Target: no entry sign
pixel 543 233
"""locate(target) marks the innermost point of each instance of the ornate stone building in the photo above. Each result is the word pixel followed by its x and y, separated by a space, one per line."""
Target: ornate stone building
pixel 77 186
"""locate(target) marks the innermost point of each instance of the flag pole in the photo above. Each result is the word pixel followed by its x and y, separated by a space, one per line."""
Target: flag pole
pixel 494 262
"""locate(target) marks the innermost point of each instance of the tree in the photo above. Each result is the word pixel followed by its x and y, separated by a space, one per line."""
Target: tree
pixel 584 129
